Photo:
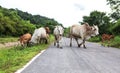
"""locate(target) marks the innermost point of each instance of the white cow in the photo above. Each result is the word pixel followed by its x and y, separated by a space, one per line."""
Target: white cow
pixel 84 32
pixel 39 34
pixel 58 33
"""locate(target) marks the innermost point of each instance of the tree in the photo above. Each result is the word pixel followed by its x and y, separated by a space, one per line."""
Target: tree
pixel 100 19
pixel 12 25
pixel 38 20
pixel 115 29
pixel 115 6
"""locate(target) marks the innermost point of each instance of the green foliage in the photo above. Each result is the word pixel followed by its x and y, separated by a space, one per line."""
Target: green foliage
pixel 12 25
pixel 66 32
pixel 115 6
pixel 11 59
pixel 14 22
pixel 113 43
pixel 39 21
pixel 95 39
pixel 100 19
pixel 115 29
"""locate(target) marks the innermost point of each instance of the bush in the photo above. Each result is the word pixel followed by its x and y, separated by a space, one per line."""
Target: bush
pixel 116 28
pixel 95 39
pixel 113 42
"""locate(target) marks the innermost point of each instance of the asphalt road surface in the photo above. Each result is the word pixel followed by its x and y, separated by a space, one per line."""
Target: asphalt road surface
pixel 94 59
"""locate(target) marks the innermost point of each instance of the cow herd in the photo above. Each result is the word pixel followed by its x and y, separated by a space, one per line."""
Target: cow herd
pixel 41 35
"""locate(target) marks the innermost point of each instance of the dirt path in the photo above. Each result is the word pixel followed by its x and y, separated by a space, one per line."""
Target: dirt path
pixel 9 44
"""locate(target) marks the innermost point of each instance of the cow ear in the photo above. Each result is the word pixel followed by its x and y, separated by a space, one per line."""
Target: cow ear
pixel 93 25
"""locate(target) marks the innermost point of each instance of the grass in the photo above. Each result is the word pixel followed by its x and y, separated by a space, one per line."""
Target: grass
pixel 112 43
pixel 14 58
pixel 95 39
pixel 8 39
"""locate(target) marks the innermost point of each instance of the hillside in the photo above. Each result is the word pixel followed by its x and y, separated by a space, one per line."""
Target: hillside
pixel 38 20
pixel 14 22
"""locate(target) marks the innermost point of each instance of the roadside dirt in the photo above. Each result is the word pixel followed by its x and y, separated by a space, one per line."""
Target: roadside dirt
pixel 9 44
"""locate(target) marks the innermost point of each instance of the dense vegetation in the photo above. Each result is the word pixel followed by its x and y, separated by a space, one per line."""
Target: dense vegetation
pixel 115 7
pixel 12 25
pixel 14 22
pixel 39 21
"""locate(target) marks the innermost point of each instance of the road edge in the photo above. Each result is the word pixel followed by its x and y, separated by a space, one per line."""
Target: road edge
pixel 21 69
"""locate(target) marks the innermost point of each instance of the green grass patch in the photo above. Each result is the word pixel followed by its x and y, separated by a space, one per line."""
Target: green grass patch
pixel 95 39
pixel 112 43
pixel 8 39
pixel 15 57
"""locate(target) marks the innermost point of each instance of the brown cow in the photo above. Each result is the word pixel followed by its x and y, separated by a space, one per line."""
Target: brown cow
pixel 24 39
pixel 47 30
pixel 107 37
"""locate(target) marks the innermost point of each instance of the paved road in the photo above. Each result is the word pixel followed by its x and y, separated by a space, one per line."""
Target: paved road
pixel 94 59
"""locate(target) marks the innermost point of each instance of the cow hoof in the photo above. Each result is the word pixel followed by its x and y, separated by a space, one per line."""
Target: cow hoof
pixel 85 47
pixel 61 47
pixel 54 44
pixel 58 46
pixel 70 45
pixel 79 45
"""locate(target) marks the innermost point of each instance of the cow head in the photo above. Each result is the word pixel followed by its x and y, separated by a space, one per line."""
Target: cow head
pixel 95 30
pixel 60 30
pixel 47 30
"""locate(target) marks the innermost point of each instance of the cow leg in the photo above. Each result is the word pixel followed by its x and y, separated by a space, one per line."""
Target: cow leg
pixel 38 40
pixel 55 41
pixel 27 43
pixel 58 41
pixel 45 41
pixel 70 41
pixel 58 44
pixel 77 42
pixel 84 43
pixel 81 43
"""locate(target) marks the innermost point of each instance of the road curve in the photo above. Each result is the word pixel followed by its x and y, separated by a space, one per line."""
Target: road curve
pixel 94 59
